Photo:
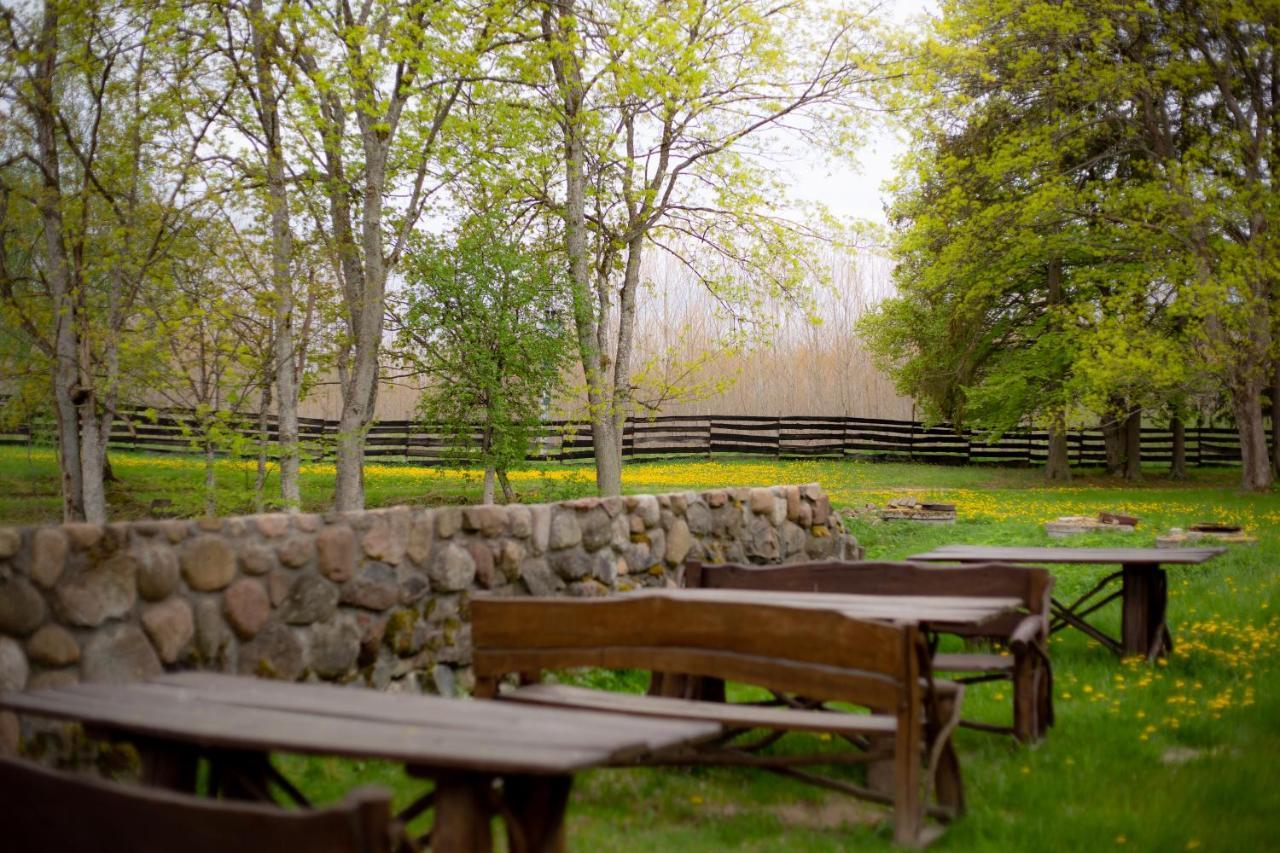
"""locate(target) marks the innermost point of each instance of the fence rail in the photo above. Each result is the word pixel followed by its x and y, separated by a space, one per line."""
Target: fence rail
pixel 676 436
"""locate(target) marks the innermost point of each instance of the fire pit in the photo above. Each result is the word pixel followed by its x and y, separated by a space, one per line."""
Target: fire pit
pixel 1072 525
pixel 1205 531
pixel 910 509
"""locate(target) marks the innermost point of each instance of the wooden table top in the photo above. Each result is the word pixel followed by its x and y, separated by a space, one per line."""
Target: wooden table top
pixel 1019 554
pixel 431 732
pixel 898 609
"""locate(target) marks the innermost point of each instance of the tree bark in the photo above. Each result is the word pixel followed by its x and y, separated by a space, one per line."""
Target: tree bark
pixel 1057 468
pixel 1133 446
pixel 1178 466
pixel 1275 420
pixel 1113 440
pixel 1255 462
pixel 210 478
pixel 281 257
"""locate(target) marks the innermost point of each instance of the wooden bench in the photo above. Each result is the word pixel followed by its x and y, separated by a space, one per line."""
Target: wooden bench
pixel 50 810
pixel 1025 635
pixel 817 654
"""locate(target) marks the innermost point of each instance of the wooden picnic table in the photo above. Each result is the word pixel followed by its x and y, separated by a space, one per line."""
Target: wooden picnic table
pixel 932 613
pixel 465 747
pixel 1144 588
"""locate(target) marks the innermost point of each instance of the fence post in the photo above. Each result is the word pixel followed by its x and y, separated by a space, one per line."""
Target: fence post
pixel 777 444
pixel 710 429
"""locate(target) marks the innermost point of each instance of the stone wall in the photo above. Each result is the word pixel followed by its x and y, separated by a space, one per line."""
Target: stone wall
pixel 379 597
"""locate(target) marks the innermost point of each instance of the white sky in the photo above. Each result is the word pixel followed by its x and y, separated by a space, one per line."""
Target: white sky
pixel 850 192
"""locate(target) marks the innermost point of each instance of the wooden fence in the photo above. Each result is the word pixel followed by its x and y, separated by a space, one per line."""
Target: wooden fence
pixel 679 436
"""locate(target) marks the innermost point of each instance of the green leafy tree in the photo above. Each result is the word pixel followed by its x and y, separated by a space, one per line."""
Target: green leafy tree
pixel 485 324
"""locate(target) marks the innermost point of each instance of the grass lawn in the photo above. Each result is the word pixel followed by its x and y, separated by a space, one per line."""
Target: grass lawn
pixel 1183 755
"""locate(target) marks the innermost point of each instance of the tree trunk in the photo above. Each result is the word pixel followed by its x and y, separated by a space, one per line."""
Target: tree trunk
pixel 92 453
pixel 1255 474
pixel 1133 446
pixel 1275 421
pixel 1113 439
pixel 210 479
pixel 1178 465
pixel 264 441
pixel 486 496
pixel 281 257
pixel 1057 468
pixel 508 494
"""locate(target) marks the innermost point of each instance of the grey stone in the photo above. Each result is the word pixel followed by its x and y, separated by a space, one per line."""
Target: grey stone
pixel 590 588
pixel 613 506
pixel 212 635
pixel 22 607
pixel 444 681
pixel 83 535
pixel 597 529
pixel 657 545
pixel 565 530
pixel 571 564
pixel 413 588
pixel 311 598
pixel 453 569
pixel 421 534
pixel 794 539
pixel 679 541
pixel 375 588
pixel 648 510
pixel 278 583
pixel 157 576
pixel 274 653
pixel 638 558
pixel 727 521
pixel 48 556
pixel 620 534
pixel 53 678
pixel 510 555
pixel 210 524
pixel 448 521
pixel 792 496
pixel 13 666
pixel 488 519
pixel 334 648
pixel 170 626
pixel 698 517
pixel 521 520
pixel 247 607
pixel 98 593
pixel 308 523
pixel 257 559
pixel 604 566
pixel 821 509
pixel 715 498
pixel 538 577
pixel 10 542
pixel 296 551
pixel 120 653
pixel 779 513
pixel 541 516
pixel 762 540
pixel 53 645
pixel 273 525
pixel 208 563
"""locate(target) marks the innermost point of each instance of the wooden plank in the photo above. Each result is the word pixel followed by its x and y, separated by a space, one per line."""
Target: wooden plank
pixel 725 713
pixel 1145 556
pixel 209 724
pixel 904 609
pixel 451 714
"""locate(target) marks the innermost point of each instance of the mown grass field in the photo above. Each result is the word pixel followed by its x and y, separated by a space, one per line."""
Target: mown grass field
pixel 1184 755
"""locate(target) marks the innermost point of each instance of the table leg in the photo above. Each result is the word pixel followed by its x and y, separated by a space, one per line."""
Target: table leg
pixel 1145 598
pixel 463 806
pixel 537 805
pixel 167 765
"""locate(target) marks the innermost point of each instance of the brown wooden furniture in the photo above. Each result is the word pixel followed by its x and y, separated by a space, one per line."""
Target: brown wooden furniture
pixel 49 810
pixel 1025 633
pixel 810 651
pixel 1144 588
pixel 485 758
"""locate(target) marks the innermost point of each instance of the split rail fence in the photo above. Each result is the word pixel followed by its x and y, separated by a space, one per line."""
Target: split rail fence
pixel 677 436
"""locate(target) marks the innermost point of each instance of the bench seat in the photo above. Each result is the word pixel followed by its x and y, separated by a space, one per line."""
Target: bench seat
pixel 963 662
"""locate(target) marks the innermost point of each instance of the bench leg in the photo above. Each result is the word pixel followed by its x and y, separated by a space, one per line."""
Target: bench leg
pixel 537 805
pixel 1145 597
pixel 463 805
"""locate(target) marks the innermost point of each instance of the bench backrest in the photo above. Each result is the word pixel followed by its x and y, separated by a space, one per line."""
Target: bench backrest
pixel 50 810
pixel 1029 583
pixel 817 653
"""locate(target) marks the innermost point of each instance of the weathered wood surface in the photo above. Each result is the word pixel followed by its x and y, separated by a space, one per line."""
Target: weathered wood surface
pixel 425 731
pixel 1088 556
pixel 1143 588
pixel 820 654
pixel 49 810
pixel 999 601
